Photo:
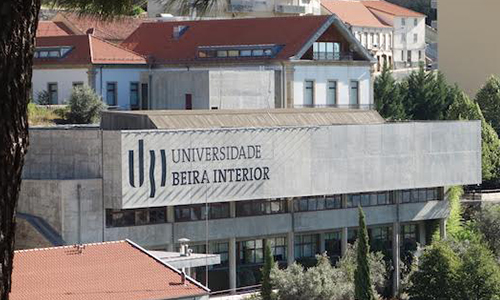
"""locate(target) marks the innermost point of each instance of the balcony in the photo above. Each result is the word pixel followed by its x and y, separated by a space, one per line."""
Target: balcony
pixel 290 9
pixel 333 56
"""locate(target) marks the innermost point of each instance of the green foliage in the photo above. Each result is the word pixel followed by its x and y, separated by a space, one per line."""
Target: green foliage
pixel 99 8
pixel 437 276
pixel 40 115
pixel 487 222
pixel 84 106
pixel 363 289
pixel 488 99
pixel 266 290
pixel 136 11
pixel 454 224
pixel 388 100
pixel 43 98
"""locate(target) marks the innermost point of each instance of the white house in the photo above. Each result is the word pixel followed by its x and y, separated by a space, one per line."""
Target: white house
pixel 64 62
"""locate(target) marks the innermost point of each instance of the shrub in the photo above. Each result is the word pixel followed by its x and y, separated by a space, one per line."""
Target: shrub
pixel 43 98
pixel 84 106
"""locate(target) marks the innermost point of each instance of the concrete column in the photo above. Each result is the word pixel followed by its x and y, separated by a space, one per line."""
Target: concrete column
pixel 232 265
pixel 290 248
pixel 343 241
pixel 442 228
pixel 395 257
pixel 171 220
pixel 421 233
pixel 232 209
pixel 322 243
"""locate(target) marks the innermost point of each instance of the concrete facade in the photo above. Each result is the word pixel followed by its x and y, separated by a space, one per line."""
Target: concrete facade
pixel 65 78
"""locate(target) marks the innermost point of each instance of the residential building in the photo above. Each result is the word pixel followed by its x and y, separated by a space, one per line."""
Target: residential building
pixel 468 50
pixel 310 61
pixel 393 34
pixel 241 8
pixel 64 62
pixel 371 32
pixel 109 270
pixel 233 180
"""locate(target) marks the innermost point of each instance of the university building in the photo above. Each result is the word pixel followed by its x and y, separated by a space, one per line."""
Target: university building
pixel 233 180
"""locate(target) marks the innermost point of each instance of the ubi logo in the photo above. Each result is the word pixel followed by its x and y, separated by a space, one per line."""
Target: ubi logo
pixel 152 165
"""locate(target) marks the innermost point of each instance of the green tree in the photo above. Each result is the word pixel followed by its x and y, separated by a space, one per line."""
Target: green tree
pixel 388 101
pixel 487 222
pixel 363 289
pixel 454 223
pixel 84 106
pixel 488 99
pixel 436 278
pixel 266 290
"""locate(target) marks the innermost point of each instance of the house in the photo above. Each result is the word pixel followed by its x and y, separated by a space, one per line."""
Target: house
pixel 312 61
pixel 394 34
pixel 109 270
pixel 63 62
pixel 373 34
pixel 233 180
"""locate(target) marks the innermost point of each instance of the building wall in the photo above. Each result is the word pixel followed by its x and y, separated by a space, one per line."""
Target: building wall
pixel 123 76
pixel 63 77
pixel 342 74
pixel 402 47
pixel 468 50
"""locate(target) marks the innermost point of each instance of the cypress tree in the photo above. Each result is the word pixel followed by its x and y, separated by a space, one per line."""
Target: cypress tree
pixel 488 99
pixel 388 101
pixel 363 289
pixel 266 289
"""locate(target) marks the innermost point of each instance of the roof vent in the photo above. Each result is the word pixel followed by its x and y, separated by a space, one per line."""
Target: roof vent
pixel 91 31
pixel 178 31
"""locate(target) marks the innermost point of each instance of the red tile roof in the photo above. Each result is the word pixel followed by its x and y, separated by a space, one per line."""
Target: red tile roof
pixel 391 9
pixel 353 13
pixel 156 38
pixel 112 270
pixel 113 30
pixel 86 49
pixel 49 28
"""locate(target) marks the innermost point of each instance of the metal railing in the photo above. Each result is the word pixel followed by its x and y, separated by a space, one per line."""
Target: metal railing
pixel 333 56
pixel 237 291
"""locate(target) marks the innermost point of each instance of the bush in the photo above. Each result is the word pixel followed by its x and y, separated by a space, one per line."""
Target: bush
pixel 84 106
pixel 43 98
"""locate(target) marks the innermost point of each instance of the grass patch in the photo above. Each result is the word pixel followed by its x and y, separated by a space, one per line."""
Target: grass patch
pixel 44 115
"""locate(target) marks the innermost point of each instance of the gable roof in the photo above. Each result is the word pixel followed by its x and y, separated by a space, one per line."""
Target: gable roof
pixel 112 30
pixel 291 34
pixel 86 49
pixel 353 13
pixel 110 270
pixel 49 28
pixel 392 9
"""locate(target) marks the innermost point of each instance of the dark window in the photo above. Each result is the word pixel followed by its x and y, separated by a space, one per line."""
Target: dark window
pixel 260 207
pixel 53 94
pixel 144 96
pixel 189 102
pixel 326 51
pixel 197 212
pixel 278 247
pixel 111 93
pixel 309 93
pixel 352 235
pixel 306 245
pixel 331 93
pixel 135 217
pixel 134 95
pixel 354 93
pixel 381 239
pixel 251 251
pixel 333 244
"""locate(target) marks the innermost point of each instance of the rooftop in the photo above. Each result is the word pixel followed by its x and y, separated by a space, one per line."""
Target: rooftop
pixel 110 270
pixel 49 28
pixel 197 119
pixel 353 13
pixel 85 49
pixel 391 9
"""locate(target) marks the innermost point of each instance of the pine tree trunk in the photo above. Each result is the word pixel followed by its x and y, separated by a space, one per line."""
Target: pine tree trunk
pixel 18 22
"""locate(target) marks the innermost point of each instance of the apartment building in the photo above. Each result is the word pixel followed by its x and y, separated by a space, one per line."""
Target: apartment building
pixel 310 61
pixel 233 180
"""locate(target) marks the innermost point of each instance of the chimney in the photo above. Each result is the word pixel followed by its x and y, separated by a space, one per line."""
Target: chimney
pixel 183 277
pixel 91 31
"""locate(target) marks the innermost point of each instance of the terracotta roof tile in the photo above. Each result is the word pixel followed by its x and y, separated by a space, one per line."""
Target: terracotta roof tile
pixel 391 9
pixel 112 270
pixel 102 52
pixel 353 13
pixel 49 28
pixel 156 39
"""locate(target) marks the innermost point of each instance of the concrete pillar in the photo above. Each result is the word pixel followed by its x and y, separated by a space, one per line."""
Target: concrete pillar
pixel 232 209
pixel 290 248
pixel 232 265
pixel 395 257
pixel 322 243
pixel 171 220
pixel 343 241
pixel 421 233
pixel 442 228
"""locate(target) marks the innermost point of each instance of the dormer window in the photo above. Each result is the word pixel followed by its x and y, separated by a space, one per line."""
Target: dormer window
pixel 326 51
pixel 238 51
pixel 52 52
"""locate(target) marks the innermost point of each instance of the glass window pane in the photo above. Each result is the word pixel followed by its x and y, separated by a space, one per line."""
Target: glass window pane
pixel 246 53
pixel 221 53
pixel 353 95
pixel 258 52
pixel 332 92
pixel 233 53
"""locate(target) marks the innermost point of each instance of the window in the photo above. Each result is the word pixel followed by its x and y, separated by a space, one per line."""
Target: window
pixel 189 102
pixel 135 217
pixel 134 95
pixel 251 251
pixel 238 51
pixel 223 250
pixel 352 235
pixel 309 93
pixel 403 22
pixel 354 93
pixel 306 245
pixel 333 244
pixel 197 212
pixel 326 51
pixel 419 195
pixel 420 55
pixel 372 39
pixel 144 96
pixel 409 56
pixel 415 22
pixel 111 93
pixel 369 199
pixel 403 37
pixel 331 97
pixel 77 84
pixel 318 203
pixel 381 239
pixel 278 247
pixel 53 95
pixel 56 52
pixel 415 38
pixel 260 207
pixel 409 237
